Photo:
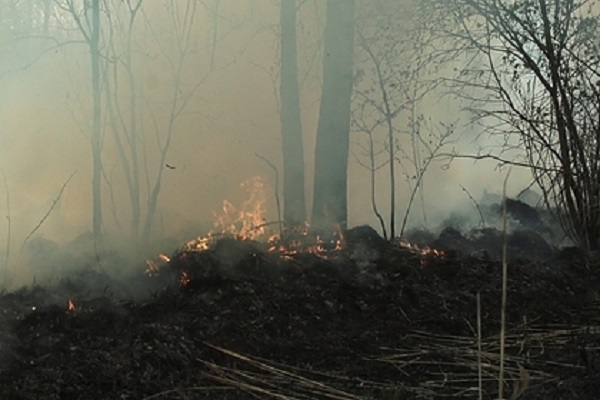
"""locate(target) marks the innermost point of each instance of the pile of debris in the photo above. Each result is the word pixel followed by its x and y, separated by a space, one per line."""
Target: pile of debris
pixel 368 319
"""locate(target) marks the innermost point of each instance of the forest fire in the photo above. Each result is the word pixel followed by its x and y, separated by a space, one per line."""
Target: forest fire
pixel 427 253
pixel 307 243
pixel 154 266
pixel 70 305
pixel 247 222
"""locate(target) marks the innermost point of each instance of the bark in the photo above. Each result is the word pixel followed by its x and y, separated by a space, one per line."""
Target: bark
pixel 330 204
pixel 294 204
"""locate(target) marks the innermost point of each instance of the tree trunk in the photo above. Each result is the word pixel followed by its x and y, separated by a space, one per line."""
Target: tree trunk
pixel 294 204
pixel 133 184
pixel 96 138
pixel 330 204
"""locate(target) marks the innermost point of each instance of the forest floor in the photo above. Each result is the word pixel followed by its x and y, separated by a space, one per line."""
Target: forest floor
pixel 373 320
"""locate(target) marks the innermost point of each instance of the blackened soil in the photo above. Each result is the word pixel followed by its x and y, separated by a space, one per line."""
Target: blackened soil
pixel 374 321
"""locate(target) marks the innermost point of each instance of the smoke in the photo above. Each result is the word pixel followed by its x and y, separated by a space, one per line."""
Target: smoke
pixel 45 111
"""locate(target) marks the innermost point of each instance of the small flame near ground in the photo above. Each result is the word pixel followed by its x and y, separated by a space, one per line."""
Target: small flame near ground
pixel 70 305
pixel 427 253
pixel 247 221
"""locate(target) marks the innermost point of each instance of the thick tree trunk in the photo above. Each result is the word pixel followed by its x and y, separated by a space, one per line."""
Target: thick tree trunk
pixel 330 204
pixel 96 138
pixel 294 204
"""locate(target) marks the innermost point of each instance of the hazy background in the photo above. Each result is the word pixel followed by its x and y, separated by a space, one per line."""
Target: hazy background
pixel 45 120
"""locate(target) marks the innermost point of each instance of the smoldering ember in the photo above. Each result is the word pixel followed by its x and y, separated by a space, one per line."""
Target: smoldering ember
pixel 299 199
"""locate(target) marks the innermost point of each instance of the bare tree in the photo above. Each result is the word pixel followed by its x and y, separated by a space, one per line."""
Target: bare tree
pixel 395 72
pixel 86 18
pixel 142 127
pixel 126 130
pixel 330 203
pixel 533 82
pixel 180 52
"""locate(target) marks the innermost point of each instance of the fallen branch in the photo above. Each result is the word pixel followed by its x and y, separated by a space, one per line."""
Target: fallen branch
pixel 45 217
pixel 277 200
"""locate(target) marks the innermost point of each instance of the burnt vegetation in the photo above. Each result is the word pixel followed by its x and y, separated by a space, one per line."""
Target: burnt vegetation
pixel 372 320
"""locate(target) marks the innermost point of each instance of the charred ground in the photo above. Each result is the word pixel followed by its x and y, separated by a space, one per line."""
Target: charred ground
pixel 373 320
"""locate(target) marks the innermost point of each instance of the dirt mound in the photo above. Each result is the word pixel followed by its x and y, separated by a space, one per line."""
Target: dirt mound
pixel 374 320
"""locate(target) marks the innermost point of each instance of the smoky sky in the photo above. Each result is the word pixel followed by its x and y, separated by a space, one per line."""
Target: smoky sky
pixel 232 116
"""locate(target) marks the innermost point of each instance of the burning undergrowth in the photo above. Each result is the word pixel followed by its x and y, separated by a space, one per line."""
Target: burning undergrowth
pixel 243 318
pixel 248 313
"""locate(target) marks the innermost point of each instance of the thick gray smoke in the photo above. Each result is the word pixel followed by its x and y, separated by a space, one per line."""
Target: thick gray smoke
pixel 218 61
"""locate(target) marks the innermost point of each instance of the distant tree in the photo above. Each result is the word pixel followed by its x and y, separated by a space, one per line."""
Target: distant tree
pixel 179 49
pixel 533 81
pixel 125 125
pixel 142 127
pixel 86 19
pixel 294 204
pixel 395 72
pixel 330 203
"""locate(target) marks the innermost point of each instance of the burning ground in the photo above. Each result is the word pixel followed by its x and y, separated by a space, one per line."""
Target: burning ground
pixel 349 317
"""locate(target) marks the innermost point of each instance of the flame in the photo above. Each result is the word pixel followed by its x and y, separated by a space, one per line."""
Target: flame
pixel 201 243
pixel 154 266
pixel 247 221
pixel 243 222
pixel 304 242
pixel 426 253
pixel 70 305
pixel 435 252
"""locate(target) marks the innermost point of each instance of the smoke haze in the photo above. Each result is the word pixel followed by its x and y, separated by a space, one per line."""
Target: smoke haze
pixel 231 78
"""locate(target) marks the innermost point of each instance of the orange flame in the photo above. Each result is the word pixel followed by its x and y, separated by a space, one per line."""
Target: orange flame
pixel 246 221
pixel 154 266
pixel 426 252
pixel 306 243
pixel 70 305
pixel 434 252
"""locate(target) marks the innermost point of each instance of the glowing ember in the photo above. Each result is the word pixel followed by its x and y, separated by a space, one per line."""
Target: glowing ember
pixel 70 305
pixel 185 279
